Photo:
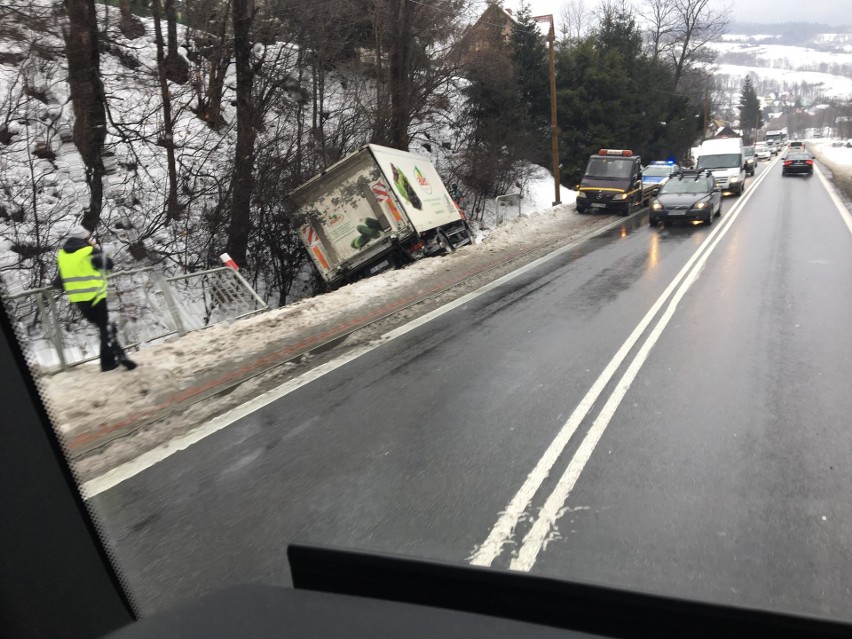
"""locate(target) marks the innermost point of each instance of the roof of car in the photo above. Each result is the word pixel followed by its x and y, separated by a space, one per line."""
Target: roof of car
pixel 693 173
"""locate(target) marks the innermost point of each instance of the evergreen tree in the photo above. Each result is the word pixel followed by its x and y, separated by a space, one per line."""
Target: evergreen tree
pixel 531 63
pixel 751 117
pixel 613 95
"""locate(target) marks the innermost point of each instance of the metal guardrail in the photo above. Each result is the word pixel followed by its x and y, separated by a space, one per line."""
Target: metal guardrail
pixel 503 201
pixel 147 306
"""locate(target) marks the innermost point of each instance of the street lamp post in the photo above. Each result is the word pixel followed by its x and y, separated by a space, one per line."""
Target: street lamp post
pixel 554 128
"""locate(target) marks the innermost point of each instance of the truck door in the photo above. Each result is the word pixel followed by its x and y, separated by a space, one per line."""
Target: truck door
pixel 385 208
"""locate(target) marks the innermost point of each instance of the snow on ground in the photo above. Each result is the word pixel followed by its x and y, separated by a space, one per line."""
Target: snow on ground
pixel 839 155
pixel 831 86
pixel 787 56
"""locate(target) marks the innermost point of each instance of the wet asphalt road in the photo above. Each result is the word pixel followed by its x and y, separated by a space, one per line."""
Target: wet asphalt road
pixel 723 475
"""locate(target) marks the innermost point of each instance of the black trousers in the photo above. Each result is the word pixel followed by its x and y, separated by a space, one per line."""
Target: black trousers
pixel 98 315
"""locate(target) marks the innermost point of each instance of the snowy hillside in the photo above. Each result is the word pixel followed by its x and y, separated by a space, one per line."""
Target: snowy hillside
pixel 822 70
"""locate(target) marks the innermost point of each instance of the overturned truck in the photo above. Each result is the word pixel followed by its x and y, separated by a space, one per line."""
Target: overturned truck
pixel 374 210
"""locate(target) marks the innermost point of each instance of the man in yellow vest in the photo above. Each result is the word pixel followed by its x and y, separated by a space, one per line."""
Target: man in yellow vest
pixel 82 274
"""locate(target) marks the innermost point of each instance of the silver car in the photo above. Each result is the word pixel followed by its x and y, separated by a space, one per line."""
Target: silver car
pixel 762 152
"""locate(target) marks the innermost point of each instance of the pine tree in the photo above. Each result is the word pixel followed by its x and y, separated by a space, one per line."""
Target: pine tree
pixel 751 117
pixel 530 60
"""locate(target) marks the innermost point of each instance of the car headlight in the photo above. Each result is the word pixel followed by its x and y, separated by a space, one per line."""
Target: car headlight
pixel 735 178
pixel 581 194
pixel 619 197
pixel 656 205
pixel 700 205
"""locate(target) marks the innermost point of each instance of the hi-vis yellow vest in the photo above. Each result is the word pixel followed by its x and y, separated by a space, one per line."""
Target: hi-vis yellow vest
pixel 82 281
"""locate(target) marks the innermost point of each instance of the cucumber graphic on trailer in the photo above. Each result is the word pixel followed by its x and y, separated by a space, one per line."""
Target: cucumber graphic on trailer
pixel 403 186
pixel 371 229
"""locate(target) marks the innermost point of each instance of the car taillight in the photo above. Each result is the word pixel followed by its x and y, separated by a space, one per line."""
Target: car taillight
pixel 809 161
pixel 787 162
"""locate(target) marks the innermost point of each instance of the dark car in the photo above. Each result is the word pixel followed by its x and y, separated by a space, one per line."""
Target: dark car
pixel 749 160
pixel 798 164
pixel 688 195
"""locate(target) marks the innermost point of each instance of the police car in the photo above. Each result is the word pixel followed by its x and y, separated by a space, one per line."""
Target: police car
pixel 656 173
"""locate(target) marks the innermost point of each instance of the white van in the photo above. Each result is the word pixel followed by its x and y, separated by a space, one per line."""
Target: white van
pixel 725 158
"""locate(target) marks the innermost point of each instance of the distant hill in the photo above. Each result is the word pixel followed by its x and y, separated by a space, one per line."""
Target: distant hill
pixel 790 33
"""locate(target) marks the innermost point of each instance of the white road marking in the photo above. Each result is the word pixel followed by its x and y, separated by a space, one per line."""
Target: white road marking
pixel 550 512
pixel 503 530
pixel 154 456
pixel 832 193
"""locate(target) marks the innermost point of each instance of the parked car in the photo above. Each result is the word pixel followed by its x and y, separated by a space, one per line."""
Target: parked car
pixel 798 164
pixel 749 160
pixel 688 195
pixel 657 173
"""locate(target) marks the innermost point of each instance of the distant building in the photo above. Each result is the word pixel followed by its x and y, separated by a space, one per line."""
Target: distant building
pixel 492 31
pixel 727 132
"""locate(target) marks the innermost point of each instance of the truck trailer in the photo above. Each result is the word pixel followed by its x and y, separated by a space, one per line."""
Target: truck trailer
pixel 374 210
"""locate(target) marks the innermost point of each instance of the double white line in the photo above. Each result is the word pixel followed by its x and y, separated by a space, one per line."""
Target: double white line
pixel 504 529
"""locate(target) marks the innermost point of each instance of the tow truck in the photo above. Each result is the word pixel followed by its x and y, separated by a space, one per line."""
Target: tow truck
pixel 613 181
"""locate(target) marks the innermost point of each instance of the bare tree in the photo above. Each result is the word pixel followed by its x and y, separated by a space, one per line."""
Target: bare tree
pixel 412 35
pixel 167 140
pixel 177 69
pixel 696 23
pixel 87 97
pixel 575 20
pixel 210 51
pixel 659 17
pixel 240 219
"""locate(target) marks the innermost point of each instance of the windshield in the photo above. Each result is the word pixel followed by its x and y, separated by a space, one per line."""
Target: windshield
pixel 748 150
pixel 686 185
pixel 656 171
pixel 724 161
pixel 609 168
pixel 281 276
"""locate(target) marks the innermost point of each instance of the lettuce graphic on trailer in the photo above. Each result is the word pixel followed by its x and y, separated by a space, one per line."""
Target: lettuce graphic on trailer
pixel 405 189
pixel 371 229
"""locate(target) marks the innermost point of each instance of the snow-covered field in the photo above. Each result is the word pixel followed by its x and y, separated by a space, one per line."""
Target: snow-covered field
pixel 785 68
pixel 789 57
pixel 826 84
pixel 839 155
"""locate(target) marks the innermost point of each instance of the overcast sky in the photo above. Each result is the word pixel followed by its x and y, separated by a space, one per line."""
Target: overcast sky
pixel 833 12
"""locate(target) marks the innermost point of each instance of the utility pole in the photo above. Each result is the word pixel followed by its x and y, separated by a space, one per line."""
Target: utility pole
pixel 554 128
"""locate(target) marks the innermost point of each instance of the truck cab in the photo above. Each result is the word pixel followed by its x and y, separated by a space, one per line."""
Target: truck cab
pixel 612 181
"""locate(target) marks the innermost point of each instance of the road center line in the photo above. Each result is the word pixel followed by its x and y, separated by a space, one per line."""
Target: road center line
pixel 503 530
pixel 537 536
